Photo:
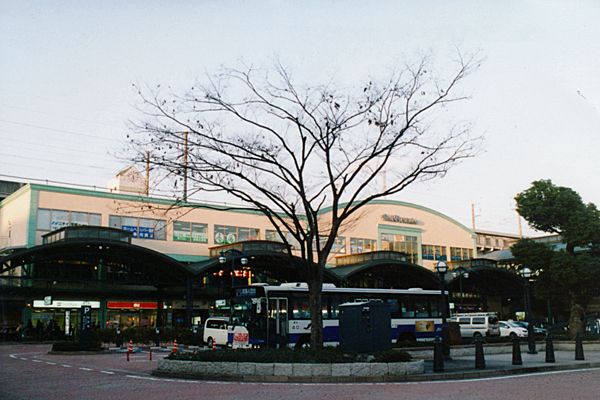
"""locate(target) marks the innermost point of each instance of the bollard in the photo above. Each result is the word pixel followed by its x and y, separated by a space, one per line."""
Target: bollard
pixel 129 348
pixel 150 353
pixel 516 359
pixel 438 356
pixel 579 347
pixel 157 338
pixel 549 349
pixel 119 342
pixel 479 358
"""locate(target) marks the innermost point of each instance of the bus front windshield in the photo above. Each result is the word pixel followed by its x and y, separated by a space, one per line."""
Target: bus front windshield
pixel 249 312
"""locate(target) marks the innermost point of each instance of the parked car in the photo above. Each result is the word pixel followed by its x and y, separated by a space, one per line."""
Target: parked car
pixel 477 324
pixel 512 328
pixel 536 330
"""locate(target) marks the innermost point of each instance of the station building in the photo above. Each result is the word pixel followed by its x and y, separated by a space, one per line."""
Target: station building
pixel 142 261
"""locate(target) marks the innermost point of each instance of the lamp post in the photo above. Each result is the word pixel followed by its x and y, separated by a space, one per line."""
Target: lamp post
pixel 461 273
pixel 526 274
pixel 223 260
pixel 441 267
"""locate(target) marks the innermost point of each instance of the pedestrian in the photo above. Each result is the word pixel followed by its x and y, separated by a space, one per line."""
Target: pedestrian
pixel 39 327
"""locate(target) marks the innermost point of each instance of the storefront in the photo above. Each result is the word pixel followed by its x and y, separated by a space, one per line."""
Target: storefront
pixel 65 313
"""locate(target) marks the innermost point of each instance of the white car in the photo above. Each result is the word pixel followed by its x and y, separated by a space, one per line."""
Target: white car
pixel 511 328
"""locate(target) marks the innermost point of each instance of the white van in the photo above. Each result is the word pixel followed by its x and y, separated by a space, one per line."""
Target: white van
pixel 477 324
pixel 216 331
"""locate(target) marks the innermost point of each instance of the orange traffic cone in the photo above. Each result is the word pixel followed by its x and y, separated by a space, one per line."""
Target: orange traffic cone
pixel 175 346
pixel 214 345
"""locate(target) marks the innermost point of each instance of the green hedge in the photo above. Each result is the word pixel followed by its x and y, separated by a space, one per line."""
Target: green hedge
pixel 327 354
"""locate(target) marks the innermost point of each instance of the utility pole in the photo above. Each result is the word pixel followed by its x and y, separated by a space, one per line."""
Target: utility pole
pixel 185 157
pixel 147 173
pixel 473 214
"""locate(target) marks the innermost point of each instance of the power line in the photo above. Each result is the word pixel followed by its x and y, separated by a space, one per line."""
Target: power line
pixel 54 130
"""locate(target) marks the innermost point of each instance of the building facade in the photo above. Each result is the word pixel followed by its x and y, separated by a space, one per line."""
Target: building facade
pixel 161 266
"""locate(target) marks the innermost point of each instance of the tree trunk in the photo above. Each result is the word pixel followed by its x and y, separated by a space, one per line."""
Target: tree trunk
pixel 315 289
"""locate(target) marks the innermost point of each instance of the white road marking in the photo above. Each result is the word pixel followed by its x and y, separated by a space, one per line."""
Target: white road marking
pixel 107 372
pixel 67 366
pixel 85 369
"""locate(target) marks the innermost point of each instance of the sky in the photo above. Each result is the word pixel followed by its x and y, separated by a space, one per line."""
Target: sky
pixel 67 70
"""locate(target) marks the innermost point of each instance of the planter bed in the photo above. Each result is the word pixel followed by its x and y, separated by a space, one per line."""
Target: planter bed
pixel 298 372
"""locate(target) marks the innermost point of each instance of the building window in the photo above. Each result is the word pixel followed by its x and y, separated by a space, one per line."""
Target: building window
pixel 362 245
pixel 274 236
pixel 431 252
pixel 457 254
pixel 190 232
pixel 402 244
pixel 51 220
pixel 339 245
pixel 142 228
pixel 232 234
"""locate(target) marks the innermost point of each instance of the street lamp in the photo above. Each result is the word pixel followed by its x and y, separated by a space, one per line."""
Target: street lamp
pixel 461 273
pixel 223 260
pixel 441 267
pixel 526 274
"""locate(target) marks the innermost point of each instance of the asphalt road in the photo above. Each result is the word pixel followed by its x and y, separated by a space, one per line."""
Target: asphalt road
pixel 28 372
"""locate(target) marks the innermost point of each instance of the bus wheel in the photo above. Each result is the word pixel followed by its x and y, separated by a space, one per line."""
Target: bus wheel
pixel 303 342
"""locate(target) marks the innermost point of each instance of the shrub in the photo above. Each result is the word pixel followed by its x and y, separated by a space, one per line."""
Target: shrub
pixel 326 354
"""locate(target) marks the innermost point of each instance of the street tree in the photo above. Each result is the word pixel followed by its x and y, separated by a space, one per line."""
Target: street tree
pixel 291 151
pixel 572 271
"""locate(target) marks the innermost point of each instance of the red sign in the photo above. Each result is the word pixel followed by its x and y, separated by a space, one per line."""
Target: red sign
pixel 132 304
pixel 240 337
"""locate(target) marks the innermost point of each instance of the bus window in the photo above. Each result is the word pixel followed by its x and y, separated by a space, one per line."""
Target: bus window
pixel 394 311
pixel 334 306
pixel 300 308
pixel 415 306
pixel 435 306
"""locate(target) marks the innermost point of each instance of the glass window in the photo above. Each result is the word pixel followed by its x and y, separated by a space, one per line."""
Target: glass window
pixel 339 244
pixel 358 245
pixel 400 243
pixel 199 233
pixel 160 229
pixel 95 219
pixel 43 219
pixel 114 221
pixel 79 219
pixel 274 236
pixel 232 234
pixel 60 219
pixel 181 231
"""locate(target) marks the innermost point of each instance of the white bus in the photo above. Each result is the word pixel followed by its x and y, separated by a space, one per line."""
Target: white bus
pixel 279 315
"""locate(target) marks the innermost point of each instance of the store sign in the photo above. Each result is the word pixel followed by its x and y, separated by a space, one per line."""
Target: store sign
pixel 132 229
pixel 64 304
pixel 239 273
pixel 397 218
pixel 131 304
pixel 146 233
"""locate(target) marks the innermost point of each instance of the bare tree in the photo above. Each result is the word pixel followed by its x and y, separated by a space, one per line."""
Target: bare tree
pixel 293 151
